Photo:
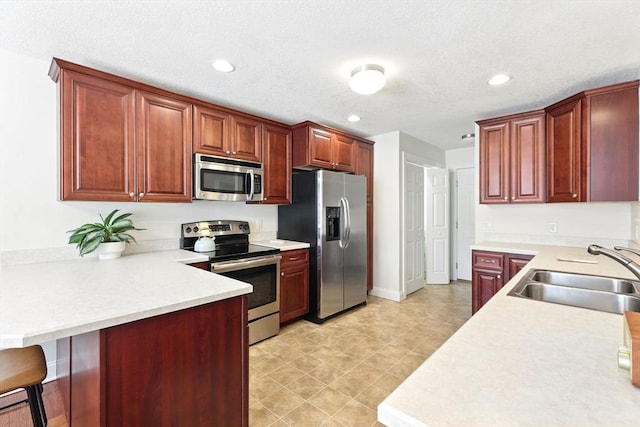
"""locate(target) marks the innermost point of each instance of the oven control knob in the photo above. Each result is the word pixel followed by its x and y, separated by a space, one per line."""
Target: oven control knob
pixel 188 229
pixel 195 229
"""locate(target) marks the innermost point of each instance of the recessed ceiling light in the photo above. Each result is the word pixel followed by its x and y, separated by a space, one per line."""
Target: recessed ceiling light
pixel 353 118
pixel 367 79
pixel 223 65
pixel 499 79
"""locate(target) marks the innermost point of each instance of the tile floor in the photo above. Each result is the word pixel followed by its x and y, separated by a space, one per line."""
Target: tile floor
pixel 336 374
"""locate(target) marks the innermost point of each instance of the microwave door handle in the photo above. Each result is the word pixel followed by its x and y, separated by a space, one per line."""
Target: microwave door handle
pixel 251 185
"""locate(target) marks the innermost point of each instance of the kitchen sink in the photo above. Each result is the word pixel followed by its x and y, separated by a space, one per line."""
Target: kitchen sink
pixel 600 293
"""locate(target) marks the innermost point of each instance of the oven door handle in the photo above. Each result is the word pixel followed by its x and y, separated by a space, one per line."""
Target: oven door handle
pixel 222 267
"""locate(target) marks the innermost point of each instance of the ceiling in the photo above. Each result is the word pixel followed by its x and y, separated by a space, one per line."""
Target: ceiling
pixel 293 57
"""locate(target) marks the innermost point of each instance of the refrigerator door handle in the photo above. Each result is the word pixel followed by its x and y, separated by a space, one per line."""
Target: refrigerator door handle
pixel 345 233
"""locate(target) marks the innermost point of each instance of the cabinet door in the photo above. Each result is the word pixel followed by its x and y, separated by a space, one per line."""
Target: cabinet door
pixel 320 146
pixel 98 139
pixel 276 142
pixel 344 153
pixel 564 161
pixel 515 264
pixel 211 131
pixel 164 149
pixel 527 149
pixel 494 163
pixel 364 166
pixel 485 284
pixel 613 144
pixel 294 292
pixel 246 139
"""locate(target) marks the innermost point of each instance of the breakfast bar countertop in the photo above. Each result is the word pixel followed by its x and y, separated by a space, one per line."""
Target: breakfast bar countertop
pixel 524 362
pixel 47 301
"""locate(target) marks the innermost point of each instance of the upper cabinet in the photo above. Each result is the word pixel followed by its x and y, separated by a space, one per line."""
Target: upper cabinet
pixel 221 133
pixel 123 140
pixel 581 149
pixel 592 146
pixel 276 144
pixel 512 153
pixel 364 165
pixel 317 146
pixel 120 143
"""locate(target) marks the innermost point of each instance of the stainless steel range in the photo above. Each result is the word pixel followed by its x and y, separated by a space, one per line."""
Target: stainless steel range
pixel 226 243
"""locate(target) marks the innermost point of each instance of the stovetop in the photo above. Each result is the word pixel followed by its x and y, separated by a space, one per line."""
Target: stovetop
pixel 231 240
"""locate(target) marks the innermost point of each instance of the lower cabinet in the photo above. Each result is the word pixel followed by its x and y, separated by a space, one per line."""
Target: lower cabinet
pixel 490 272
pixel 185 368
pixel 294 284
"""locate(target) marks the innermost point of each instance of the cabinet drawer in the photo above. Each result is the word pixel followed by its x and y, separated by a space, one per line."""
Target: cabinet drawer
pixel 296 256
pixel 488 260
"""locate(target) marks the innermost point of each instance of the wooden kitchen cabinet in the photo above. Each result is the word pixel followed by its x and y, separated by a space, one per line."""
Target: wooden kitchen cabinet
pixel 316 146
pixel 276 144
pixel 364 166
pixel 164 149
pixel 592 146
pixel 512 159
pixel 490 272
pixel 220 133
pixel 120 142
pixel 185 368
pixel 294 284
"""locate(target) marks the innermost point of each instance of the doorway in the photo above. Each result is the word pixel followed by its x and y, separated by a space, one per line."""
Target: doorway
pixel 425 226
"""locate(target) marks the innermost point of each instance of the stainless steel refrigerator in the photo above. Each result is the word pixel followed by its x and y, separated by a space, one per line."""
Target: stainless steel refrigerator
pixel 328 211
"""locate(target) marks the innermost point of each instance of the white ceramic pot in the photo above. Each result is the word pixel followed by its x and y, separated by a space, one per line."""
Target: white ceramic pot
pixel 110 250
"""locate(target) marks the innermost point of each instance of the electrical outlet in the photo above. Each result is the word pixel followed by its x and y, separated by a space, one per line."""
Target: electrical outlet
pixel 553 227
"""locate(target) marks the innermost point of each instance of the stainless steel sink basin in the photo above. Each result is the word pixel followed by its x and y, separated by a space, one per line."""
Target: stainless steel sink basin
pixel 584 281
pixel 608 294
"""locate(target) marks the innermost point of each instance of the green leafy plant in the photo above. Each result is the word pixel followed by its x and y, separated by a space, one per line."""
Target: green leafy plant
pixel 113 228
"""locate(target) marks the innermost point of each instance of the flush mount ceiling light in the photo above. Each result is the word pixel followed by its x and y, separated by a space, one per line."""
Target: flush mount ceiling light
pixel 468 138
pixel 499 79
pixel 223 65
pixel 353 118
pixel 367 79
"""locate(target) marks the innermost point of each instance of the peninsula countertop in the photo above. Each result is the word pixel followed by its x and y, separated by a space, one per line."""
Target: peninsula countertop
pixel 523 362
pixel 47 301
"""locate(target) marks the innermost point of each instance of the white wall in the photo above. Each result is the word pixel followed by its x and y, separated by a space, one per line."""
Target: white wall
pixel 459 158
pixel 33 222
pixel 389 150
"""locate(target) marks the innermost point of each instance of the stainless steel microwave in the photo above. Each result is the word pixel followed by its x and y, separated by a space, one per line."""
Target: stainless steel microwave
pixel 216 178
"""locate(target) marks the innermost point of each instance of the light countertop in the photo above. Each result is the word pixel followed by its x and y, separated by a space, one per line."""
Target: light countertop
pixel 46 301
pixel 523 362
pixel 283 245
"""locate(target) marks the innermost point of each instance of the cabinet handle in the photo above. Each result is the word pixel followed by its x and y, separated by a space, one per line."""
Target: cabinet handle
pixel 295 258
pixel 132 194
pixel 513 197
pixel 282 274
pixel 506 198
pixel 498 276
pixel 141 195
pixel 228 152
pixel 233 152
pixel 574 195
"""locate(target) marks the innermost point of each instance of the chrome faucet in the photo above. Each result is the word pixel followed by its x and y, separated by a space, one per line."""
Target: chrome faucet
pixel 631 266
pixel 623 248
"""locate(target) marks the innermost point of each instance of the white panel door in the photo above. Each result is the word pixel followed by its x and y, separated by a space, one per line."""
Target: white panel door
pixel 413 228
pixel 437 226
pixel 465 221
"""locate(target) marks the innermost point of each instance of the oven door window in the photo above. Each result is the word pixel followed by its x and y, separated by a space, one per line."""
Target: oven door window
pixel 223 181
pixel 263 279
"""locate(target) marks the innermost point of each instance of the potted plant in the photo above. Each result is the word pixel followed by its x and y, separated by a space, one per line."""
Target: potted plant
pixel 107 237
